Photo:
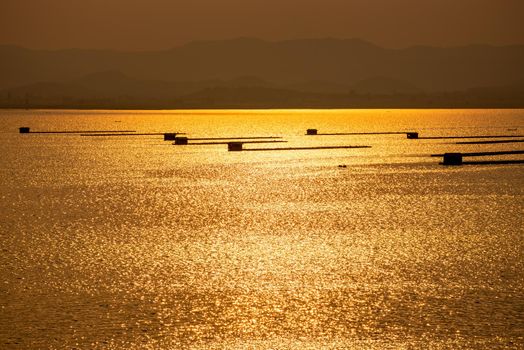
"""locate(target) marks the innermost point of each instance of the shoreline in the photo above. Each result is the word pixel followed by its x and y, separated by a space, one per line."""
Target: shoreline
pixel 258 108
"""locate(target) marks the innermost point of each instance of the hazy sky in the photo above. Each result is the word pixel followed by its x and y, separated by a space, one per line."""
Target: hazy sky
pixel 160 24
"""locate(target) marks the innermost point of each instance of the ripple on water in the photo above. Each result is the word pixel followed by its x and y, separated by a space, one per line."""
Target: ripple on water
pixel 138 244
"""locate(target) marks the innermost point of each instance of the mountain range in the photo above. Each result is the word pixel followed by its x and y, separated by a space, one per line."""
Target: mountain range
pixel 252 73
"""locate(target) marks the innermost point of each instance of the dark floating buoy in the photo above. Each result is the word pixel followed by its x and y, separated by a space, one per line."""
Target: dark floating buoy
pixel 181 140
pixel 452 159
pixel 311 131
pixel 234 146
pixel 412 135
pixel 24 130
pixel 170 136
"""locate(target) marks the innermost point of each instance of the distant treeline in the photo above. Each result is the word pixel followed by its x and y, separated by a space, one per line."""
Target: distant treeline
pixel 251 97
pixel 251 73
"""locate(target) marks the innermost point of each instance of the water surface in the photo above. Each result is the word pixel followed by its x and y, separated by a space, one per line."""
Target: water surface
pixel 133 243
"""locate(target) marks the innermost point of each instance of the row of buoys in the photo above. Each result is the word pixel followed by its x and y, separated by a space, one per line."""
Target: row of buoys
pixel 128 134
pixel 234 145
pixel 183 140
pixel 238 146
pixel 168 136
pixel 457 159
pixel 452 158
pixel 411 135
pixel 172 136
pixel 27 130
pixel 487 142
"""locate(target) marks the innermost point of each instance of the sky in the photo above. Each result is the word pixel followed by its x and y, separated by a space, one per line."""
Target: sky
pixel 136 25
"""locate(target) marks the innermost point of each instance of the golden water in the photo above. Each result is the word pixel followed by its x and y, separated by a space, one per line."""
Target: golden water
pixel 133 243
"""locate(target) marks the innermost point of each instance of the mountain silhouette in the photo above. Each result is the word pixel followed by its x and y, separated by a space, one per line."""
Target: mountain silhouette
pixel 293 61
pixel 317 69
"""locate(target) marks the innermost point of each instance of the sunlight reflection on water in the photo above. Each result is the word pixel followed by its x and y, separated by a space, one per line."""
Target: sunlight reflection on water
pixel 135 243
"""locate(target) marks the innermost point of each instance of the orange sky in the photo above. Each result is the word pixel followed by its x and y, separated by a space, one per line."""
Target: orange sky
pixel 160 24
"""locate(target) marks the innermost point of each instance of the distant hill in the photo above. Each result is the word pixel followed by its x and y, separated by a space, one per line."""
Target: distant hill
pixel 294 61
pixel 116 90
pixel 308 72
pixel 385 86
